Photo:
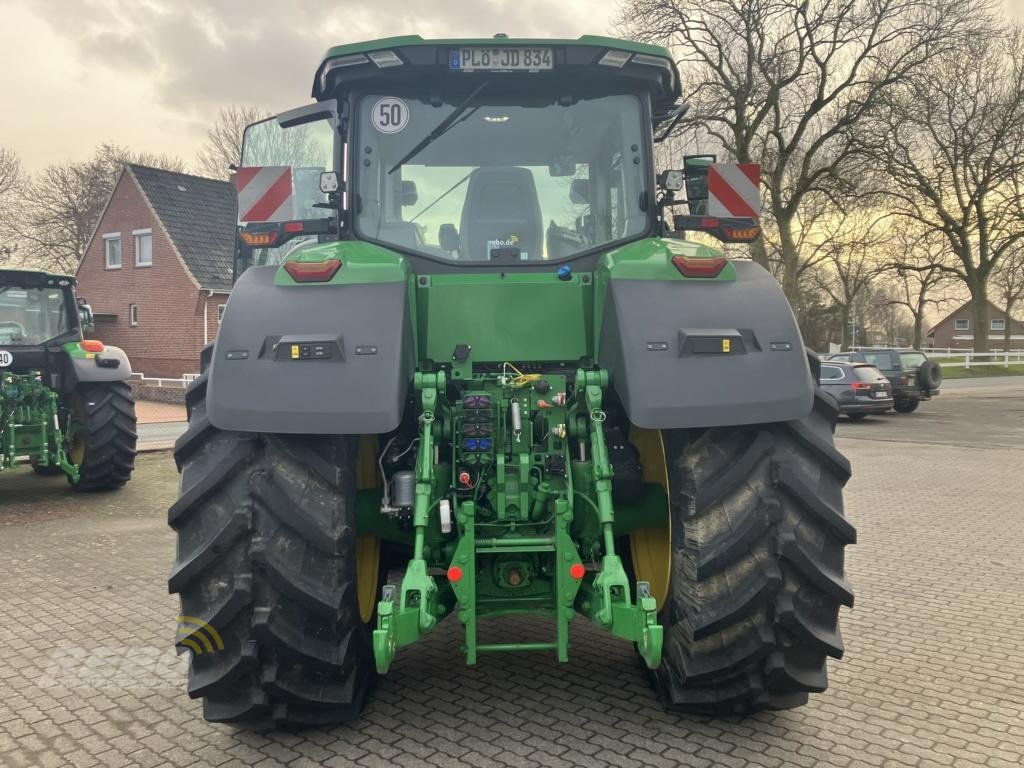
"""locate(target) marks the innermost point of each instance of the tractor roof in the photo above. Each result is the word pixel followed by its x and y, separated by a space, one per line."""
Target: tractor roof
pixel 580 58
pixel 33 278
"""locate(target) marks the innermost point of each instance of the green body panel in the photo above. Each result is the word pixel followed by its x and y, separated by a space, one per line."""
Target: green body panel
pixel 651 259
pixel 510 316
pixel 407 40
pixel 361 263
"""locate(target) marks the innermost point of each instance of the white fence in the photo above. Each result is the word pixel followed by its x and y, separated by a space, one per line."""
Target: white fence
pixel 961 358
pixel 148 381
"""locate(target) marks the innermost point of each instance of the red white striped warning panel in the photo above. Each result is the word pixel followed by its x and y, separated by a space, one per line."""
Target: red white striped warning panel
pixel 264 193
pixel 734 190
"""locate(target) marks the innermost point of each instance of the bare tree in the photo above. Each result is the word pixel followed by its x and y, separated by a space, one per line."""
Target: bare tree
pixel 63 204
pixel 784 82
pixel 951 138
pixel 1008 279
pixel 849 243
pixel 10 185
pixel 917 281
pixel 223 145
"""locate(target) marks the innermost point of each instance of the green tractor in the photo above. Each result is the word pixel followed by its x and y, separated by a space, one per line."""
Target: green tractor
pixel 65 404
pixel 469 347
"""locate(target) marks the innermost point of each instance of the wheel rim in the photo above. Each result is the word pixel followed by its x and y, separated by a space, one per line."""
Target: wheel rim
pixel 367 573
pixel 367 547
pixel 651 548
pixel 76 435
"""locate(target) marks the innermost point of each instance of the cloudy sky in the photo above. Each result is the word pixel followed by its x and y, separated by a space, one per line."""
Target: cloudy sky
pixel 150 74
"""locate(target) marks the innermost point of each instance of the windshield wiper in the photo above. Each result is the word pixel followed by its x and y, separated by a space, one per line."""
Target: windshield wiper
pixel 441 128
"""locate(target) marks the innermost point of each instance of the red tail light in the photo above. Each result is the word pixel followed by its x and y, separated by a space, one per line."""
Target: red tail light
pixel 91 345
pixel 860 385
pixel 904 380
pixel 699 266
pixel 312 271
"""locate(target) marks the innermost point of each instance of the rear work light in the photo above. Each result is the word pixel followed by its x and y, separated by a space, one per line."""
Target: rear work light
pixel 91 345
pixel 312 271
pixel 258 238
pixel 699 266
pixel 385 59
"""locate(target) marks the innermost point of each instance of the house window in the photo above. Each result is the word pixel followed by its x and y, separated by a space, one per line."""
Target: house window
pixel 999 325
pixel 962 325
pixel 133 314
pixel 220 312
pixel 143 247
pixel 112 245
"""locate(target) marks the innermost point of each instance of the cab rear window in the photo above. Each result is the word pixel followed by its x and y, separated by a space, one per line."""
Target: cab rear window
pixel 912 359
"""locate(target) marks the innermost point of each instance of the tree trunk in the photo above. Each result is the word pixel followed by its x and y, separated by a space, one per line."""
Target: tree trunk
pixel 790 262
pixel 918 323
pixel 1008 328
pixel 759 253
pixel 844 327
pixel 979 308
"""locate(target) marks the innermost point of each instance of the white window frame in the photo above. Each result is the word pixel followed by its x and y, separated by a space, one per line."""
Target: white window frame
pixel 962 324
pixel 1000 327
pixel 133 315
pixel 107 239
pixel 138 234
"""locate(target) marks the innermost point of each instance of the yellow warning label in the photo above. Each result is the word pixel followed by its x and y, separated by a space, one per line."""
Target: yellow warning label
pixel 295 351
pixel 726 345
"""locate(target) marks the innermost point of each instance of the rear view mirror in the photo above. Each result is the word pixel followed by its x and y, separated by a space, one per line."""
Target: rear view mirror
pixel 562 166
pixel 85 316
pixel 695 169
pixel 407 194
pixel 579 191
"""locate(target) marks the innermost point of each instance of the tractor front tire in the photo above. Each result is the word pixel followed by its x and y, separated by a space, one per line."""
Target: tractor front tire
pixel 266 566
pixel 757 564
pixel 103 441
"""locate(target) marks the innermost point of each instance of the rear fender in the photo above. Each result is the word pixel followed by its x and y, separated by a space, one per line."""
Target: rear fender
pixel 705 353
pixel 257 383
pixel 109 365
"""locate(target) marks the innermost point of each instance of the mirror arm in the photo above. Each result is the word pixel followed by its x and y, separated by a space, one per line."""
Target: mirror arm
pixel 678 114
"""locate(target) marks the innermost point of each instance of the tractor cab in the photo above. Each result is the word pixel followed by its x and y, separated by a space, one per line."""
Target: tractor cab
pixel 36 310
pixel 490 153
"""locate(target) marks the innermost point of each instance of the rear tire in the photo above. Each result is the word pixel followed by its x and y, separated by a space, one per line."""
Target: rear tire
pixel 266 558
pixel 105 422
pixel 757 564
pixel 906 406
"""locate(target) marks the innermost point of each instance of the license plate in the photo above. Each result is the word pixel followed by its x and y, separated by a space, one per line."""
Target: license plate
pixel 501 59
pixel 879 394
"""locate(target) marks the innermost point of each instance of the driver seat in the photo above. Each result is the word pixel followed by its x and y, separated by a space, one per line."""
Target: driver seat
pixel 501 203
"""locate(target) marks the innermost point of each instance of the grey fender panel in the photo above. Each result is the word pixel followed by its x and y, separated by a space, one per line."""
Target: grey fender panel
pixel 89 371
pixel 658 342
pixel 253 388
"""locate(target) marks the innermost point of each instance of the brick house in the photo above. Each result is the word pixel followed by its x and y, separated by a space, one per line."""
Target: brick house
pixel 157 271
pixel 956 330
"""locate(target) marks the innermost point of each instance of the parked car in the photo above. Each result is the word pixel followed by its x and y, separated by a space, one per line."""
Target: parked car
pixel 859 389
pixel 913 376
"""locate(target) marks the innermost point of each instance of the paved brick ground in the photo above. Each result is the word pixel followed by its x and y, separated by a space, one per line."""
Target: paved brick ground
pixel 934 673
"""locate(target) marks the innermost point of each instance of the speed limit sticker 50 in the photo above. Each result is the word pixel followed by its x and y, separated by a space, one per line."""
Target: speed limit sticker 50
pixel 6 358
pixel 390 115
